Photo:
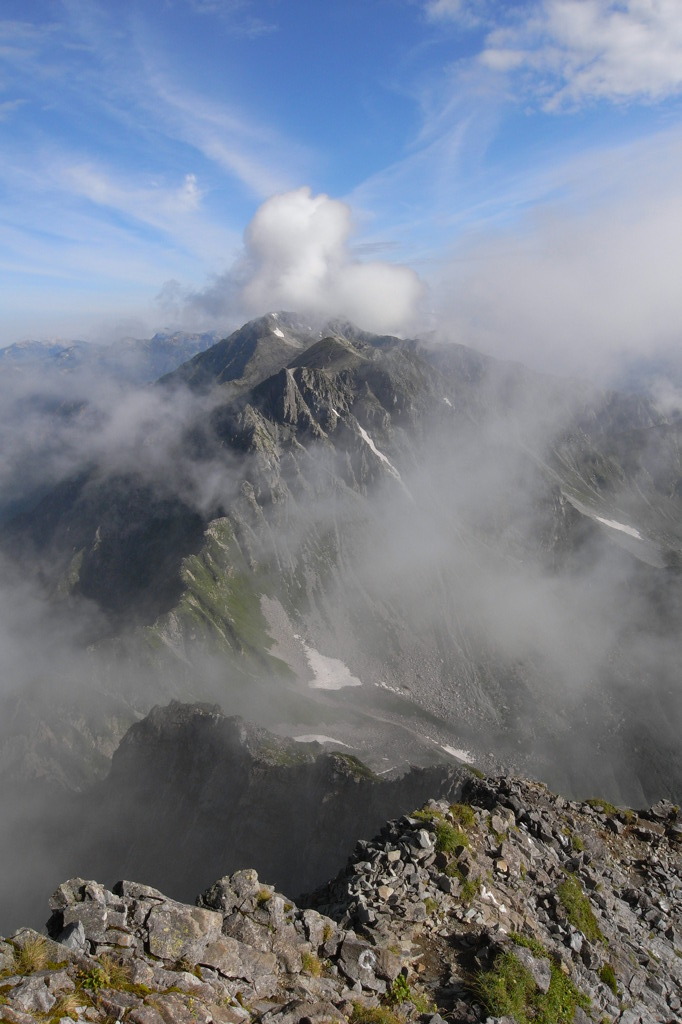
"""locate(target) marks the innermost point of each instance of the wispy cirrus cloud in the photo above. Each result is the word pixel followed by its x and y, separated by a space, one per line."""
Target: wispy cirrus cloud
pixel 154 204
pixel 239 15
pixel 119 170
pixel 464 12
pixel 259 157
pixel 9 107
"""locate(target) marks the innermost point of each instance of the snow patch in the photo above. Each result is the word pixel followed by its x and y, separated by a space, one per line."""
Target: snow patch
pixel 328 673
pixel 391 689
pixel 490 897
pixel 319 739
pixel 461 755
pixel 380 455
pixel 630 530
pixel 448 402
pixel 276 330
pixel 368 440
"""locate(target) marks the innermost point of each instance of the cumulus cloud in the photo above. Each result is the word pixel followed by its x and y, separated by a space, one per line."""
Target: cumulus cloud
pixel 297 256
pixel 595 49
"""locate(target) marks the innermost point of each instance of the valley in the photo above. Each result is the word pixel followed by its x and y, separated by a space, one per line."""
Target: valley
pixel 419 555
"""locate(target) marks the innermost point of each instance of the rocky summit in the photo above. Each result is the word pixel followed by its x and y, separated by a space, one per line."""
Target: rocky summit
pixel 514 905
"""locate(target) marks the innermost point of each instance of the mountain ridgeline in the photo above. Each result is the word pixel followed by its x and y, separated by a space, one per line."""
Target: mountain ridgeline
pixel 509 906
pixel 409 552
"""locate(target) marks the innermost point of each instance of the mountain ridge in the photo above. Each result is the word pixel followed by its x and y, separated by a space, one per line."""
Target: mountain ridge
pixel 508 906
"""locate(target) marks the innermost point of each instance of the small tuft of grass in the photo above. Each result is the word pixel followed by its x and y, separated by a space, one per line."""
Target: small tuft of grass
pixel 448 838
pixel 536 948
pixel 578 908
pixel 399 991
pixel 32 956
pixel 603 806
pixel 109 973
pixel 374 1015
pixel 423 1004
pixel 263 897
pixel 577 843
pixel 69 1005
pixel 463 814
pixel 470 889
pixel 430 905
pixel 608 976
pixel 508 989
pixel 427 814
pixel 312 964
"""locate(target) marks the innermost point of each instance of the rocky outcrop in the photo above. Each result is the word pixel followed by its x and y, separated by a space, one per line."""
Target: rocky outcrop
pixel 513 905
pixel 519 890
pixel 132 954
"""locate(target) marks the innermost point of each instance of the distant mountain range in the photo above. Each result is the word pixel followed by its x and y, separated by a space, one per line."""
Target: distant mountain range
pixel 129 359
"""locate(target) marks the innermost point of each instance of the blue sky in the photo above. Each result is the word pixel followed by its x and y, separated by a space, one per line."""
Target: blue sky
pixel 522 158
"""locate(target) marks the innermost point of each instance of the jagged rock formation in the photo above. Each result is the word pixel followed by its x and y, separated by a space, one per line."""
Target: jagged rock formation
pixel 513 905
pixel 194 794
pixel 514 876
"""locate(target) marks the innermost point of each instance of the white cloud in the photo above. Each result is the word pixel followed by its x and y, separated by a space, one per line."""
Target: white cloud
pixel 436 9
pixel 576 283
pixel 259 157
pixel 153 203
pixel 8 107
pixel 297 256
pixel 574 51
pixel 464 12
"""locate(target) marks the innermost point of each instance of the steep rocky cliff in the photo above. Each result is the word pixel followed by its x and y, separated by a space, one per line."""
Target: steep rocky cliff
pixel 511 905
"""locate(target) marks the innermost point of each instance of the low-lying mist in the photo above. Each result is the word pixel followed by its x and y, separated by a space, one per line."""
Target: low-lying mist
pixel 465 555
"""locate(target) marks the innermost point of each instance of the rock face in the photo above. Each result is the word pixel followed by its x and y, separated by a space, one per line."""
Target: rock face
pixel 513 905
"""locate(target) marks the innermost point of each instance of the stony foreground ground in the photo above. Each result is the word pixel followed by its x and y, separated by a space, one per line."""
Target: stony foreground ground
pixel 513 905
